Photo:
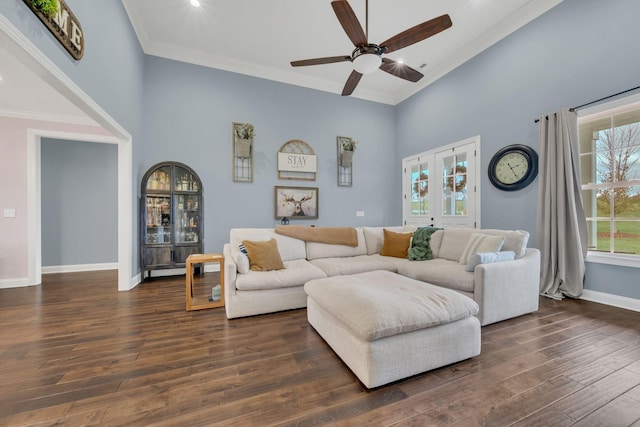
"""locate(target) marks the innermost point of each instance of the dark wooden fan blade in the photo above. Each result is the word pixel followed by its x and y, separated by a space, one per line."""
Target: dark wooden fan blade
pixel 319 61
pixel 400 70
pixel 351 84
pixel 349 22
pixel 417 33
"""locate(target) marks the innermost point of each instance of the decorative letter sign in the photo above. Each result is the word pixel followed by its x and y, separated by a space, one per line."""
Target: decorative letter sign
pixel 294 162
pixel 64 26
pixel 297 160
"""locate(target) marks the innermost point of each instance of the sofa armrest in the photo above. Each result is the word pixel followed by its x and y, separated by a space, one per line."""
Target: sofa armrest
pixel 507 289
pixel 230 271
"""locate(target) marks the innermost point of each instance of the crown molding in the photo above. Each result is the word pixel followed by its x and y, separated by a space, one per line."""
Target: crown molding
pixel 48 117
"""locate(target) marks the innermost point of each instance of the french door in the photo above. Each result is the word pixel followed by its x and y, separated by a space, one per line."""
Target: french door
pixel 441 186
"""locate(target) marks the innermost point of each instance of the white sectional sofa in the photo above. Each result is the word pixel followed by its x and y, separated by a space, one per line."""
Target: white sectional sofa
pixel 502 289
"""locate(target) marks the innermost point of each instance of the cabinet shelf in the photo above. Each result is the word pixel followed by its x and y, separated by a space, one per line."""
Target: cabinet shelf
pixel 171 216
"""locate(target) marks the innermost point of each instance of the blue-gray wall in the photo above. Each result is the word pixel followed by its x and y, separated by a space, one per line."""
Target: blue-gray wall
pixel 79 183
pixel 189 111
pixel 579 51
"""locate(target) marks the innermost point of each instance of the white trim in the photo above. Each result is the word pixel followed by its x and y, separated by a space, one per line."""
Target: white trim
pixel 631 102
pixel 612 300
pixel 79 267
pixel 613 259
pixel 47 117
pixel 20 282
pixel 26 52
pixel 598 111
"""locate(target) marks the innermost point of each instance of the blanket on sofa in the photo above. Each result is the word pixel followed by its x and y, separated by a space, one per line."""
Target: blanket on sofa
pixel 331 235
pixel 420 249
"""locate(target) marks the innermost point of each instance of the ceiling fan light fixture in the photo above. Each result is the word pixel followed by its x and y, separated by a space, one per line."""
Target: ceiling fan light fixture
pixel 367 59
pixel 367 63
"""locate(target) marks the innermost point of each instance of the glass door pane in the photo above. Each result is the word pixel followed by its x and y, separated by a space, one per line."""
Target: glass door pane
pixel 420 189
pixel 184 180
pixel 187 218
pixel 454 185
pixel 158 219
pixel 160 179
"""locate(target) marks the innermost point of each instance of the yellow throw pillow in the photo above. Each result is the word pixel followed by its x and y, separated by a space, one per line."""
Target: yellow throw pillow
pixel 395 244
pixel 263 256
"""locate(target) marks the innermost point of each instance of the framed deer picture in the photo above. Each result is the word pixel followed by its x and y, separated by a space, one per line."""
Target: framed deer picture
pixel 296 202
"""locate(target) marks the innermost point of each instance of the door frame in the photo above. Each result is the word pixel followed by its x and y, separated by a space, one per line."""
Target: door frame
pixel 431 156
pixel 26 52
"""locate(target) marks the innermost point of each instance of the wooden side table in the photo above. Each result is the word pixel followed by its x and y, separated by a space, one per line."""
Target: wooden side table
pixel 199 302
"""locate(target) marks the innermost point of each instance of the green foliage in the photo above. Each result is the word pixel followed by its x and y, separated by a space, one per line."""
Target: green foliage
pixel 349 145
pixel 48 7
pixel 244 130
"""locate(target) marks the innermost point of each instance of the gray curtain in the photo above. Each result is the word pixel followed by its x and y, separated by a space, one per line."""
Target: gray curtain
pixel 561 225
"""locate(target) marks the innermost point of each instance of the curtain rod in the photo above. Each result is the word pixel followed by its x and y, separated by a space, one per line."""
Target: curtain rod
pixel 597 100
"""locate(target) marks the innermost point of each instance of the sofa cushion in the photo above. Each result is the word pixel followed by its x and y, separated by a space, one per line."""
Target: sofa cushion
pixel 288 247
pixel 263 256
pixel 514 240
pixel 435 242
pixel 441 272
pixel 489 257
pixel 479 242
pixel 395 244
pixel 297 273
pixel 454 241
pixel 323 250
pixel 374 236
pixel 379 304
pixel 353 265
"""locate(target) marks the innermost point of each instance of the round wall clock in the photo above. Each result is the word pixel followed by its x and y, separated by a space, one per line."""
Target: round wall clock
pixel 513 167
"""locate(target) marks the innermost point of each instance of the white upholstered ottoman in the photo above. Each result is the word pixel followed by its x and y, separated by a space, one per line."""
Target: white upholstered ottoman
pixel 386 327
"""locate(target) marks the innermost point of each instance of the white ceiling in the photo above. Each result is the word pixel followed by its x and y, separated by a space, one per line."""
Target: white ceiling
pixel 260 38
pixel 23 94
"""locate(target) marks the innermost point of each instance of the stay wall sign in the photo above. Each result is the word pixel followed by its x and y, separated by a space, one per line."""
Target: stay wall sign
pixel 64 26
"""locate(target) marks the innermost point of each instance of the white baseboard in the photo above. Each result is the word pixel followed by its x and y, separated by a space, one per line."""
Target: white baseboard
pixel 208 268
pixel 20 282
pixel 610 299
pixel 135 281
pixel 79 267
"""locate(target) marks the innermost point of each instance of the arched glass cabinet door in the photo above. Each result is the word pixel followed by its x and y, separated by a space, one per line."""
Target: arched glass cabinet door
pixel 171 216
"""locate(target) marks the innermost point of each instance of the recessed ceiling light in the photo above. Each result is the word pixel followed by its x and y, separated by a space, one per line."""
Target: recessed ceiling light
pixel 195 3
pixel 400 61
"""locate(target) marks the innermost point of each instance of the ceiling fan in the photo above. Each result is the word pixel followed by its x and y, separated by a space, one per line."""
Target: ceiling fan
pixel 367 57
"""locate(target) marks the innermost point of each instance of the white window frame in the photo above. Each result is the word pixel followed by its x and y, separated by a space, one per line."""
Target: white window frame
pixel 591 114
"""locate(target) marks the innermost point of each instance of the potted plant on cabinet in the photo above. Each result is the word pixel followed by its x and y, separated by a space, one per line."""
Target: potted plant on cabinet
pixel 244 135
pixel 348 147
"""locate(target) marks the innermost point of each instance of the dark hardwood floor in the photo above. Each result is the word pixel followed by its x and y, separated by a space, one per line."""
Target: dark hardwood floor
pixel 74 351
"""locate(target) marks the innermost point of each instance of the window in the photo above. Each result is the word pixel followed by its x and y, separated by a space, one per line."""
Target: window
pixel 610 168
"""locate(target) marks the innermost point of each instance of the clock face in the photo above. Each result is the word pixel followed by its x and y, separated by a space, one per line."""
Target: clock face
pixel 513 167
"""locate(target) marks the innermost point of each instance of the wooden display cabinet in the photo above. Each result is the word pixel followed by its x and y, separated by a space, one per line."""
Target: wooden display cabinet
pixel 171 208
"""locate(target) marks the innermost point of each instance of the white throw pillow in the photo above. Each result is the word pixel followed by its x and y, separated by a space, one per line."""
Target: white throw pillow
pixel 241 260
pixel 479 242
pixel 489 257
